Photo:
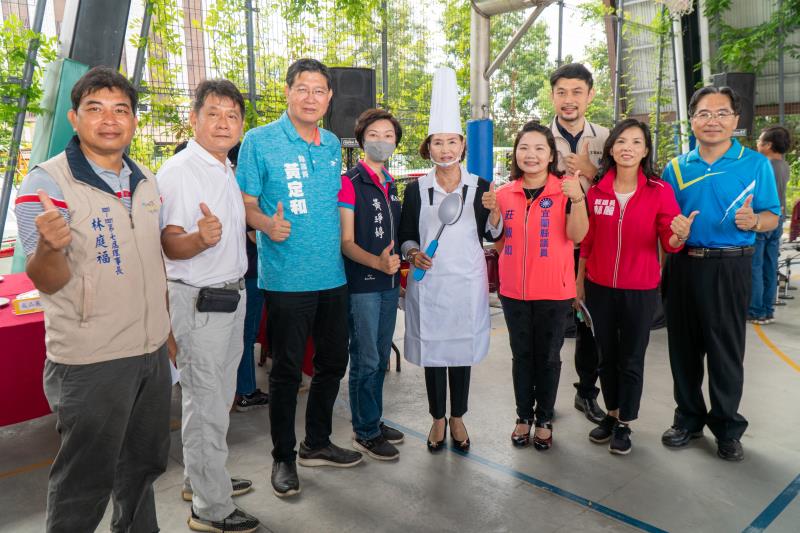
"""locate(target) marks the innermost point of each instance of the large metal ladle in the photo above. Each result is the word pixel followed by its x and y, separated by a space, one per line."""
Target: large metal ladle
pixel 449 212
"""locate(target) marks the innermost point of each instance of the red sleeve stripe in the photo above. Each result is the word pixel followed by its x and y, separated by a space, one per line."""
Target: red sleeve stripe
pixel 27 198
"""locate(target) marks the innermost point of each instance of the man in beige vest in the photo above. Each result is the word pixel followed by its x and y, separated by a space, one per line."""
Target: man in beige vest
pixel 89 222
pixel 580 146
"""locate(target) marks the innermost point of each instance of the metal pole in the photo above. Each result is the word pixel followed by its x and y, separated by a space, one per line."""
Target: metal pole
pixel 618 61
pixel 781 41
pixel 514 40
pixel 385 52
pixel 144 34
pixel 16 137
pixel 560 30
pixel 478 64
pixel 680 92
pixel 251 62
pixel 657 132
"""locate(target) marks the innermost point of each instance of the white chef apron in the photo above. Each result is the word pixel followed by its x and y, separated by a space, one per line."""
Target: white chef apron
pixel 447 313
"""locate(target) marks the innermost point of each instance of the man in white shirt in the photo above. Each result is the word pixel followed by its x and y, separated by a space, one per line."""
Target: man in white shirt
pixel 203 237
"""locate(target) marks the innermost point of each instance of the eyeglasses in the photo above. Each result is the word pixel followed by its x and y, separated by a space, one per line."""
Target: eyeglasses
pixel 304 91
pixel 705 116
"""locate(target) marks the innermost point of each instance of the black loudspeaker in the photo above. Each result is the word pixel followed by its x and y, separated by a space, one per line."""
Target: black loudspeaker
pixel 744 85
pixel 353 93
pixel 94 31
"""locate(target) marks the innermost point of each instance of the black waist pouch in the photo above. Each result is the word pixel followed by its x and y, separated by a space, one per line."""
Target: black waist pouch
pixel 217 300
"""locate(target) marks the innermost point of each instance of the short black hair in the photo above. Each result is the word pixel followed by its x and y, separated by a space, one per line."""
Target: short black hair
pixel 307 65
pixel 99 78
pixel 572 71
pixel 778 137
pixel 371 116
pixel 736 102
pixel 221 88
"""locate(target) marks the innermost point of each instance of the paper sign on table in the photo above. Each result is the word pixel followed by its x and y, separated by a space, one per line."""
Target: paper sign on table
pixel 27 302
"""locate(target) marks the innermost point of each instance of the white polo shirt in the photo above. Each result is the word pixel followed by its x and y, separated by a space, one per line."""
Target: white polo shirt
pixel 185 180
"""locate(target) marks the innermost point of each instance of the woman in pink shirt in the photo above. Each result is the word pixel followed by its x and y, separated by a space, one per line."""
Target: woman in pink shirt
pixel 631 211
pixel 543 214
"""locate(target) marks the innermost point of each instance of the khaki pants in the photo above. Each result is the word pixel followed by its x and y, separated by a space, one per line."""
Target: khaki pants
pixel 209 349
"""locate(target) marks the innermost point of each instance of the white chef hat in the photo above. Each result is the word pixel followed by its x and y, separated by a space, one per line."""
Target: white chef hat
pixel 445 113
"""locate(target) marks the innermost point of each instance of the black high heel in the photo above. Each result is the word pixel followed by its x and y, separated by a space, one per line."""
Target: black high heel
pixel 462 445
pixel 521 440
pixel 540 443
pixel 438 445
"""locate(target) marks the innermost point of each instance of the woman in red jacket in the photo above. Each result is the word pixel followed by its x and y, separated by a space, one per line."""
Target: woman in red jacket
pixel 631 210
pixel 543 214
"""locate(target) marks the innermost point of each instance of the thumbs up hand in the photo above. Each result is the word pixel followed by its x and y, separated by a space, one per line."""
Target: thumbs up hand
pixel 580 162
pixel 388 261
pixel 746 219
pixel 209 228
pixel 280 228
pixel 681 226
pixel 571 187
pixel 489 199
pixel 54 232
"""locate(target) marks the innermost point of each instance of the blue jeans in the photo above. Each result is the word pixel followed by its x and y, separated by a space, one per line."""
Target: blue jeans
pixel 371 317
pixel 765 273
pixel 246 376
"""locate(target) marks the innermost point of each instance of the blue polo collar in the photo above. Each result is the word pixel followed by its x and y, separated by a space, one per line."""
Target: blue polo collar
pixel 82 171
pixel 293 135
pixel 736 151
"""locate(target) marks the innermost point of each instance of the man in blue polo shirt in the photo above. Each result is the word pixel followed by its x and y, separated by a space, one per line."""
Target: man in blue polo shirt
pixel 707 284
pixel 292 170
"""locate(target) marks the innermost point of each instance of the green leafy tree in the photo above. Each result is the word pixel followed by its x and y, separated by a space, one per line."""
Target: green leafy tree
pixel 14 41
pixel 516 88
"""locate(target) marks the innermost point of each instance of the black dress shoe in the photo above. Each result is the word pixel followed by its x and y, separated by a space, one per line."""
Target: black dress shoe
pixel 540 443
pixel 678 437
pixel 462 445
pixel 437 446
pixel 284 479
pixel 590 408
pixel 730 450
pixel 520 440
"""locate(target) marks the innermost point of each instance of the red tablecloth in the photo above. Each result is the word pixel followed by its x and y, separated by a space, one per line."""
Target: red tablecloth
pixel 22 356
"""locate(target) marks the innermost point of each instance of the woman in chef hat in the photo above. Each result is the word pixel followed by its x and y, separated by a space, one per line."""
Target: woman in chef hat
pixel 447 311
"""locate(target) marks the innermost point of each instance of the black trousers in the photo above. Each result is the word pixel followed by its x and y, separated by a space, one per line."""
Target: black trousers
pixel 536 334
pixel 621 319
pixel 291 317
pixel 586 356
pixel 113 419
pixel 706 304
pixel 436 384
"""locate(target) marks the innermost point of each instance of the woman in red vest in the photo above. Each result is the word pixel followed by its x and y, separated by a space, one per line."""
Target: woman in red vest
pixel 537 281
pixel 631 211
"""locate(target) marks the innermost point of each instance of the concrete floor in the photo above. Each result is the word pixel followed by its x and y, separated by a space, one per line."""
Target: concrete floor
pixel 577 486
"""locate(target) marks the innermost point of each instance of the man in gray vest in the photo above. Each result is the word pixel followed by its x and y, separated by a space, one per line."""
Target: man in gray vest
pixel 89 222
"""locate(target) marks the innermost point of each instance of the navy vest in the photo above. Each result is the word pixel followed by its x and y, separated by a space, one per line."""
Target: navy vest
pixel 375 226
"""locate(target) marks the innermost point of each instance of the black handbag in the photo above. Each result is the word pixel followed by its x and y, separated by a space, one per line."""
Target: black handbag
pixel 217 300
